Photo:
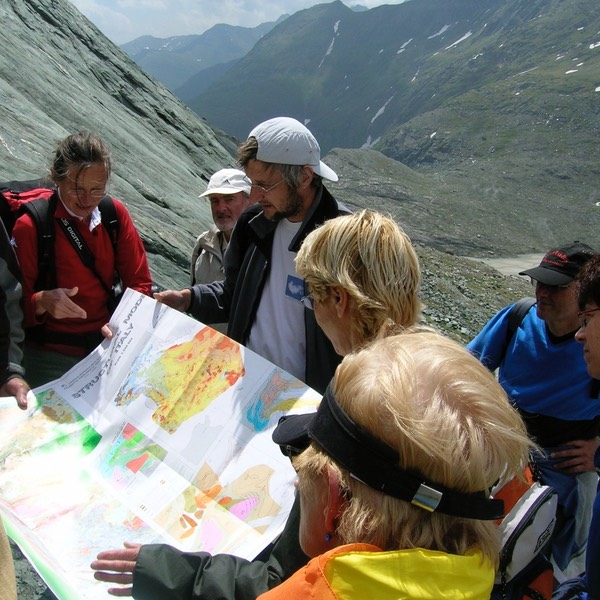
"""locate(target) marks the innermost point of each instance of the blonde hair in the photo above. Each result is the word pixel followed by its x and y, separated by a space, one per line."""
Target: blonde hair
pixel 446 416
pixel 371 257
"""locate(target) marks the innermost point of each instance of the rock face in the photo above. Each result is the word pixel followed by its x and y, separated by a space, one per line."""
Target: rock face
pixel 59 74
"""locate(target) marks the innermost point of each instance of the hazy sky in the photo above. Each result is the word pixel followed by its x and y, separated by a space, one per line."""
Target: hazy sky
pixel 125 20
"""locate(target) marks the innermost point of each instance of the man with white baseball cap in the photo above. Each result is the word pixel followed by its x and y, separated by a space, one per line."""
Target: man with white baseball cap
pixel 229 194
pixel 261 295
pixel 267 308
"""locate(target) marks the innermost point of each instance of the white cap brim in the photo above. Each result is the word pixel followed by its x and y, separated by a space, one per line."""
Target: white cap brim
pixel 324 171
pixel 223 190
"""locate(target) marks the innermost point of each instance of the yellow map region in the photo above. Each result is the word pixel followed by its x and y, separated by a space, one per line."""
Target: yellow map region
pixel 189 376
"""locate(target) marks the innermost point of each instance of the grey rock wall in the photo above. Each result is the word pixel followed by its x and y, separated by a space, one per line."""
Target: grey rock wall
pixel 59 74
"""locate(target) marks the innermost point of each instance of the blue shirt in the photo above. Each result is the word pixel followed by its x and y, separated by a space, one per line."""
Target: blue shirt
pixel 539 375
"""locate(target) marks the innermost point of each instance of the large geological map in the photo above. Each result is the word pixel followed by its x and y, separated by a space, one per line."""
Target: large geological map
pixel 163 434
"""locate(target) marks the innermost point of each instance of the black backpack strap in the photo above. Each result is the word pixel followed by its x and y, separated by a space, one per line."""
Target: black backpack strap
pixel 41 212
pixel 110 221
pixel 515 317
pixel 108 213
pixel 6 214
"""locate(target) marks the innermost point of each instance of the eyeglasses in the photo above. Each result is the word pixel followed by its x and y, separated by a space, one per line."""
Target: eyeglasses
pixel 307 301
pixel 265 190
pixel 553 288
pixel 584 316
pixel 78 193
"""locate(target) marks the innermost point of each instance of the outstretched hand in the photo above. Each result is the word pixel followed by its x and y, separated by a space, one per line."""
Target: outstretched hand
pixel 117 566
pixel 58 303
pixel 179 300
pixel 578 459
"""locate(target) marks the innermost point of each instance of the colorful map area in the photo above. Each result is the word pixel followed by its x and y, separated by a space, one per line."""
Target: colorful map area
pixel 186 378
pixel 281 393
pixel 130 454
pixel 210 511
pixel 161 435
pixel 52 424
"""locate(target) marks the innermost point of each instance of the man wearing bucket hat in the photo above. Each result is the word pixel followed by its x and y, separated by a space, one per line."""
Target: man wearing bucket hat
pixel 261 294
pixel 542 369
pixel 228 192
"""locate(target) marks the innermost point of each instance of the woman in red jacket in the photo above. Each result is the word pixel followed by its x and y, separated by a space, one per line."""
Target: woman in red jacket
pixel 66 308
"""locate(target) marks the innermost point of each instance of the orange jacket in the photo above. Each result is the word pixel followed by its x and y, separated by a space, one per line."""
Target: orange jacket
pixel 359 571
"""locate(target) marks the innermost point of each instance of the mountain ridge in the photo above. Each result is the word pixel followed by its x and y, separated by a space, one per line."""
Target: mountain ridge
pixel 495 102
pixel 176 59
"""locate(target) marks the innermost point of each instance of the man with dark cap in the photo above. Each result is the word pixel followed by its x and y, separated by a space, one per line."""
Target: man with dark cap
pixel 543 371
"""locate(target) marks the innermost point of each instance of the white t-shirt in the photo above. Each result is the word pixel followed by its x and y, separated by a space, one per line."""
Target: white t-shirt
pixel 278 332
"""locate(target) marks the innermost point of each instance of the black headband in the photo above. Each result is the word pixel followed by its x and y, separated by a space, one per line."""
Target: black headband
pixel 375 464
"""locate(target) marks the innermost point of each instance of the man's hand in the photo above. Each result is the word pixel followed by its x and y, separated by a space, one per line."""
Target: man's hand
pixel 58 304
pixel 117 566
pixel 179 300
pixel 578 459
pixel 18 388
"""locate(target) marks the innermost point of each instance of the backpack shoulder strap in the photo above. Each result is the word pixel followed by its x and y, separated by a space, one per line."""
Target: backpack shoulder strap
pixel 517 314
pixel 41 212
pixel 515 318
pixel 108 212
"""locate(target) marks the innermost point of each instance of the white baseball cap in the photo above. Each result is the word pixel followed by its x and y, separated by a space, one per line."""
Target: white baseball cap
pixel 286 141
pixel 227 181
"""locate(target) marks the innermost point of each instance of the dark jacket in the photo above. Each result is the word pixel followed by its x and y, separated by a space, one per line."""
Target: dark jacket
pixel 247 262
pixel 165 573
pixel 11 312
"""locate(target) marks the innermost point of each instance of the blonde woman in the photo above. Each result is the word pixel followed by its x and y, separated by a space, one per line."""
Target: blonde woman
pixel 394 488
pixel 363 275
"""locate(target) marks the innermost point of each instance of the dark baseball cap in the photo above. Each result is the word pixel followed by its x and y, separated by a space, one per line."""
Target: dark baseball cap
pixel 561 265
